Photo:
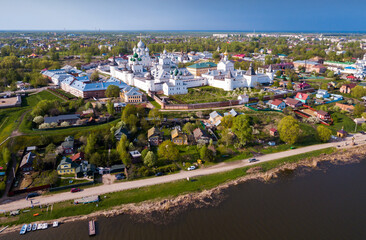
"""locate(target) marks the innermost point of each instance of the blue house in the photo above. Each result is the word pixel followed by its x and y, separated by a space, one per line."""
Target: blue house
pixel 277 104
pixel 322 94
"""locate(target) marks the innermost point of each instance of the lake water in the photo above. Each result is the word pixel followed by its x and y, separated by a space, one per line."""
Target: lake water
pixel 329 203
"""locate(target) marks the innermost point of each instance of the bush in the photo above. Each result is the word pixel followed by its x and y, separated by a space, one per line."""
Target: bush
pixel 167 168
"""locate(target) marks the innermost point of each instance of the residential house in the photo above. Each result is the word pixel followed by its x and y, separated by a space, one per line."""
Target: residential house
pixel 85 169
pixel 341 133
pixel 78 157
pixel 321 93
pixel 70 118
pixel 131 95
pixel 293 102
pixel 26 165
pixel 277 104
pixel 302 97
pixel 179 137
pixel 154 136
pixel 66 166
pixel 346 88
pixel 273 132
pixel 135 156
pixel 117 168
pixel 118 106
pixel 68 145
pixel 232 112
pixel 345 107
pixel 301 86
pixel 121 131
pixel 243 99
pixel 359 121
pixel 215 118
pixel 364 99
pixel 201 136
pixel 323 115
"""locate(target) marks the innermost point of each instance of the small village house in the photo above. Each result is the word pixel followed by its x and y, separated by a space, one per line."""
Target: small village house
pixel 201 136
pixel 215 118
pixel 66 166
pixel 68 145
pixel 179 137
pixel 293 102
pixel 323 115
pixel 341 133
pixel 273 132
pixel 302 97
pixel 154 136
pixel 277 104
pixel 346 88
pixel 345 107
pixel 26 165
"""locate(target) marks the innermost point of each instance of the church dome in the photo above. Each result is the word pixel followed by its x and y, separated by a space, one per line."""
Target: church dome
pixel 135 55
pixel 141 44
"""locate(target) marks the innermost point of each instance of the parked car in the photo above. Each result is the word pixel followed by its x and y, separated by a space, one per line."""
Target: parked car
pixel 159 174
pixel 120 176
pixel 252 160
pixel 31 195
pixel 74 190
pixel 191 168
pixel 362 132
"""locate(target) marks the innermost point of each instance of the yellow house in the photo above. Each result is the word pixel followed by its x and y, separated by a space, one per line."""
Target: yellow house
pixel 131 95
pixel 179 138
pixel 66 166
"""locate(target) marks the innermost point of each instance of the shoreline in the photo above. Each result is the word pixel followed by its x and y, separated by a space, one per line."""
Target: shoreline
pixel 146 211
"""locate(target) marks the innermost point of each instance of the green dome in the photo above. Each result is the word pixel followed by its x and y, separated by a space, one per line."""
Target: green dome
pixel 139 59
pixel 131 59
pixel 135 55
pixel 176 72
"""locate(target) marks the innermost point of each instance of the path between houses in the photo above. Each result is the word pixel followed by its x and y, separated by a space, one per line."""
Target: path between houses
pixel 221 167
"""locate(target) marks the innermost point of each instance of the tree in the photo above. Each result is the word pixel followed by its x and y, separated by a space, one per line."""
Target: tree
pixel 227 137
pixel 289 130
pixel 90 144
pixel 96 159
pixel 278 73
pixel 95 76
pixel 50 148
pixel 242 129
pixel 363 126
pixel 65 124
pixel 290 86
pixel 155 115
pixel 168 150
pixel 358 92
pixel 276 84
pixel 216 56
pixel 330 74
pixel 110 108
pixel 358 110
pixel 227 121
pixel 150 159
pixel 44 126
pixel 206 154
pixel 112 91
pixel 88 105
pixel 188 128
pixel 127 111
pixel 324 133
pixel 38 119
pixel 121 149
pixel 6 155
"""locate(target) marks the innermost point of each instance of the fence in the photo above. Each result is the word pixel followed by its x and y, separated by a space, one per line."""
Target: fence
pixel 12 193
pixel 71 186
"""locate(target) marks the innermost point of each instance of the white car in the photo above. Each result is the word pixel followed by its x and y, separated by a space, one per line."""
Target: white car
pixel 191 168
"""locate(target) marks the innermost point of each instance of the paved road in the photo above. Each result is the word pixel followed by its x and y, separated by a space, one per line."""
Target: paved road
pixel 221 167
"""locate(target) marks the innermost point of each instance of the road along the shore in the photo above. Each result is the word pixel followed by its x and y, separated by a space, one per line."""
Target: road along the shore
pixel 221 167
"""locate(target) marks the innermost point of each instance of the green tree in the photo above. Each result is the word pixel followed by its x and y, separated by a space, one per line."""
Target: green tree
pixel 112 91
pixel 88 105
pixel 96 159
pixel 188 128
pixel 278 73
pixel 358 92
pixel 127 111
pixel 227 121
pixel 330 74
pixel 6 155
pixel 110 108
pixel 206 154
pixel 122 150
pixel 155 115
pixel 95 76
pixel 50 148
pixel 359 110
pixel 216 56
pixel 242 129
pixel 324 133
pixel 168 150
pixel 290 86
pixel 289 130
pixel 90 144
pixel 150 159
pixel 38 119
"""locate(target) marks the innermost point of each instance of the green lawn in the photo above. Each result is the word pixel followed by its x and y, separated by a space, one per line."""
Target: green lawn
pixel 166 190
pixel 32 100
pixel 344 122
pixel 203 95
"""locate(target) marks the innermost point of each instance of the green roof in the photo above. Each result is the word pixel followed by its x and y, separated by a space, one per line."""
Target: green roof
pixel 203 65
pixel 336 62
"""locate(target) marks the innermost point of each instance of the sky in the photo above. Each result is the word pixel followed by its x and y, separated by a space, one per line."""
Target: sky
pixel 225 15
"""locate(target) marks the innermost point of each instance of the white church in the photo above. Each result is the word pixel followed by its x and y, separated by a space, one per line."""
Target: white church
pixel 163 75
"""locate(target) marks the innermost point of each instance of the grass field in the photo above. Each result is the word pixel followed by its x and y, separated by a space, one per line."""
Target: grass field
pixel 166 190
pixel 203 95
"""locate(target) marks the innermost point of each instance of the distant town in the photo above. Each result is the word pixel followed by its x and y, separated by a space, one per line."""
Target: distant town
pixel 82 109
